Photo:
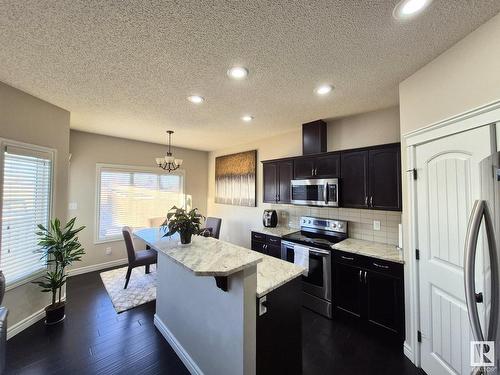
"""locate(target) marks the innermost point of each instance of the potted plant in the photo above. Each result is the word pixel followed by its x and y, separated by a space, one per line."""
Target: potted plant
pixel 60 247
pixel 185 222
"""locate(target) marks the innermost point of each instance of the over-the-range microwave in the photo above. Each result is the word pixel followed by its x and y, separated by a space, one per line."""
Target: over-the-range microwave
pixel 315 192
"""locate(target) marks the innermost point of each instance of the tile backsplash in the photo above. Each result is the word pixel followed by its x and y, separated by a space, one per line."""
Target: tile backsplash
pixel 360 224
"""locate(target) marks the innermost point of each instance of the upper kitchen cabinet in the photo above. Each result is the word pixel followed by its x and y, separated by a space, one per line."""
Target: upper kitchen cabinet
pixel 354 179
pixel 371 178
pixel 385 178
pixel 276 178
pixel 319 166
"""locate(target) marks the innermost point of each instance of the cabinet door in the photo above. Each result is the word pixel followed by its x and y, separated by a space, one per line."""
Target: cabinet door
pixel 270 182
pixel 259 247
pixel 347 289
pixel 354 179
pixel 385 178
pixel 384 302
pixel 274 251
pixel 327 166
pixel 303 168
pixel 285 175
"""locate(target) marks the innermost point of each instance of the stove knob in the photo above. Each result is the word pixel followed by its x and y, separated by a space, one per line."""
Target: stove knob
pixel 334 225
pixel 340 226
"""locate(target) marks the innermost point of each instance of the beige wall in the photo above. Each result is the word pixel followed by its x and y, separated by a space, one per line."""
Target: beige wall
pixel 27 119
pixel 365 129
pixel 464 77
pixel 88 149
pixel 376 127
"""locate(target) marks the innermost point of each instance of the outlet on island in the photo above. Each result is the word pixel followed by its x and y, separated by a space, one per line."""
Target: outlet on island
pixel 376 225
pixel 108 251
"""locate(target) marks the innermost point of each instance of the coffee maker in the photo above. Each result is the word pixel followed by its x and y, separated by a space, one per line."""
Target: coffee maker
pixel 270 218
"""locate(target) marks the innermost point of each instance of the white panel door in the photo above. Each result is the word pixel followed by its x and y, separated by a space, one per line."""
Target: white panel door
pixel 447 185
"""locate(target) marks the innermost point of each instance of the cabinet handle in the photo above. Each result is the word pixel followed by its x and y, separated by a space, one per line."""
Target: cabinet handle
pixel 315 171
pixel 265 247
pixel 366 201
pixel 346 258
pixel 380 266
pixel 371 201
pixel 360 276
pixel 365 277
pixel 312 172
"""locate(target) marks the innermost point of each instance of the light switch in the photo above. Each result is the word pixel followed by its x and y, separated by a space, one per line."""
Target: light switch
pixel 376 225
pixel 73 206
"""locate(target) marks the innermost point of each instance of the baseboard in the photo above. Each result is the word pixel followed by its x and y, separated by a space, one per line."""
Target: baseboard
pixel 26 322
pixel 407 350
pixel 97 267
pixel 181 352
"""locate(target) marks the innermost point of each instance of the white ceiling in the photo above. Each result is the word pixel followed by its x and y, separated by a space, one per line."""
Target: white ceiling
pixel 125 68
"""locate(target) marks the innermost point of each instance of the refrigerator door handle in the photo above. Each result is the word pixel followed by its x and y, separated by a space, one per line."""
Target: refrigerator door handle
pixel 495 274
pixel 469 271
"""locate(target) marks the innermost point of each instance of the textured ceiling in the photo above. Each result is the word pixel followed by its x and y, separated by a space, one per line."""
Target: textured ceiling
pixel 125 68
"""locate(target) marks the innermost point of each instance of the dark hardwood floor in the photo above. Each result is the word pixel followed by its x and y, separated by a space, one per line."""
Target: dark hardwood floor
pixel 94 339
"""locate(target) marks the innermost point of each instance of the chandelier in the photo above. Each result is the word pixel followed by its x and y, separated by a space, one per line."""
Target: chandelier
pixel 169 163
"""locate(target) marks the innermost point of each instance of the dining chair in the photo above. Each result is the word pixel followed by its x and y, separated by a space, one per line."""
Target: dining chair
pixel 136 258
pixel 212 224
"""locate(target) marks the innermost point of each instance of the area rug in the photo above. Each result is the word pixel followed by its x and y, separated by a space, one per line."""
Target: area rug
pixel 140 290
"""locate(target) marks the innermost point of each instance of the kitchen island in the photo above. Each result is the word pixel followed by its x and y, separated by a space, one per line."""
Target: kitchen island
pixel 225 309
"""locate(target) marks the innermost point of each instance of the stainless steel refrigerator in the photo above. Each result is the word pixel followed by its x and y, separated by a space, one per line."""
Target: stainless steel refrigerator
pixel 481 263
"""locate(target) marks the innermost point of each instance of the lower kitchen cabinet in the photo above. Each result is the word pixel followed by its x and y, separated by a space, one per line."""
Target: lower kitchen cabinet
pixel 371 291
pixel 266 244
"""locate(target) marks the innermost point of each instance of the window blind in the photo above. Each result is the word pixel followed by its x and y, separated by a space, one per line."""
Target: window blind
pixel 132 198
pixel 26 202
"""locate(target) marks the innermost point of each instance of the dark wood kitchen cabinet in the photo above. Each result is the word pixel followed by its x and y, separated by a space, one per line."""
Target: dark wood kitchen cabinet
pixel 353 179
pixel 319 166
pixel 371 178
pixel 276 180
pixel 266 244
pixel 371 291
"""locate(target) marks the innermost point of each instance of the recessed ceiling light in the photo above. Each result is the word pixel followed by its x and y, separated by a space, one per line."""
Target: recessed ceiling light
pixel 409 8
pixel 196 99
pixel 247 118
pixel 237 72
pixel 323 89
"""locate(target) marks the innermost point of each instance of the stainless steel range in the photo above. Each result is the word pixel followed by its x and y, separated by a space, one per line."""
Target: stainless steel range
pixel 318 235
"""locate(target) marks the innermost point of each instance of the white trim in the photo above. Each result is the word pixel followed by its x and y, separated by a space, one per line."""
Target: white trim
pixel 474 118
pixel 408 352
pixel 97 267
pixel 176 345
pixel 27 322
pixel 4 142
pixel 126 168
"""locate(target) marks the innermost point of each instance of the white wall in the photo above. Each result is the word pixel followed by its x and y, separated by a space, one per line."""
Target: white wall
pixel 464 77
pixel 28 119
pixel 89 149
pixel 372 128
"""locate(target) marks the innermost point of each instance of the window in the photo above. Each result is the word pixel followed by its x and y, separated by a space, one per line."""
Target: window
pixel 131 196
pixel 26 192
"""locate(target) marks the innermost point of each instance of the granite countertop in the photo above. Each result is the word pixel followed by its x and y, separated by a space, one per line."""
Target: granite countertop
pixel 273 273
pixel 204 256
pixel 207 256
pixel 277 231
pixel 371 249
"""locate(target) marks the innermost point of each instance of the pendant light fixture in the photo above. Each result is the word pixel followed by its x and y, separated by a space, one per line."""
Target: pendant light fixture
pixel 169 163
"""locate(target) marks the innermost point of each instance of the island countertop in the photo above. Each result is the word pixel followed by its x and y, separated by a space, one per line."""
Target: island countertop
pixel 204 256
pixel 207 256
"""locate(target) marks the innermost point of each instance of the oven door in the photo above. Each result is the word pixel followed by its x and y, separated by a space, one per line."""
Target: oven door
pixel 319 192
pixel 318 281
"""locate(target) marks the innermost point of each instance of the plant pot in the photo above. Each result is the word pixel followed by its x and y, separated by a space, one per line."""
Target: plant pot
pixel 185 237
pixel 55 313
